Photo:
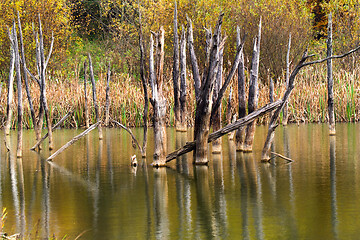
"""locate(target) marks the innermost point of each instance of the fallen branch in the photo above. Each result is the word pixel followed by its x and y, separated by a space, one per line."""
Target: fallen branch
pixel 72 141
pixel 129 131
pixel 283 157
pixel 54 128
pixel 190 146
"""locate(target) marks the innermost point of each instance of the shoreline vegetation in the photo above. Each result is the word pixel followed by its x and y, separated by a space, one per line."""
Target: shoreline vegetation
pixel 308 103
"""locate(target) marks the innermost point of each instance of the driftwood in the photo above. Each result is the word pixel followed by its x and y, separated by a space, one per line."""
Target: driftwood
pixel 229 128
pixel 130 132
pixel 330 79
pixel 175 73
pixel 285 110
pixel 86 109
pixel 107 97
pixel 144 84
pixel 253 92
pixel 302 63
pixel 194 63
pixel 183 113
pixel 54 129
pixel 9 106
pixel 72 141
pixel 96 106
pixel 283 157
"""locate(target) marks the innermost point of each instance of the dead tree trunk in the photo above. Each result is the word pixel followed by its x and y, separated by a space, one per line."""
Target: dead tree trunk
pixel 271 93
pixel 86 109
pixel 107 97
pixel 265 156
pixel 176 74
pixel 96 106
pixel 40 119
pixel 216 119
pixel 144 84
pixel 285 111
pixel 194 63
pixel 253 92
pixel 9 106
pixel 330 80
pixel 158 101
pixel 229 116
pixel 203 108
pixel 23 61
pixel 183 113
pixel 19 93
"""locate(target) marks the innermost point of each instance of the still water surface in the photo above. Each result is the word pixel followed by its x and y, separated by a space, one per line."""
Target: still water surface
pixel 91 187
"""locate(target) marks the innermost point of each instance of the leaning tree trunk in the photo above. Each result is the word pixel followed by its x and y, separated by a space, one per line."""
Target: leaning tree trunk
pixel 175 74
pixel 158 100
pixel 204 105
pixel 253 92
pixel 86 108
pixel 10 97
pixel 285 111
pixel 216 120
pixel 183 113
pixel 96 106
pixel 330 80
pixel 19 93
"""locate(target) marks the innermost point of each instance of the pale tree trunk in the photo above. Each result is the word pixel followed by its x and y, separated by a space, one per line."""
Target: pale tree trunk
pixel 229 117
pixel 158 100
pixel 240 133
pixel 253 92
pixel 86 108
pixel 183 113
pixel 285 111
pixel 330 80
pixel 10 97
pixel 40 120
pixel 175 74
pixel 107 97
pixel 19 93
pixel 96 106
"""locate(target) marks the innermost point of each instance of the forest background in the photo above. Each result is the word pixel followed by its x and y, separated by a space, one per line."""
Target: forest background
pixel 109 31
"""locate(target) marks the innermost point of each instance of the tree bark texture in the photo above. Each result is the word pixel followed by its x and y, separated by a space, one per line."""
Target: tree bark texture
pixel 86 108
pixel 107 97
pixel 330 79
pixel 271 93
pixel 285 111
pixel 183 112
pixel 253 92
pixel 96 106
pixel 175 73
pixel 10 97
pixel 158 101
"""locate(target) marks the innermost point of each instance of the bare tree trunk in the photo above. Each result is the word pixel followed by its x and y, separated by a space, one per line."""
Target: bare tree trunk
pixel 23 60
pixel 19 93
pixel 204 105
pixel 271 93
pixel 176 73
pixel 10 97
pixel 96 106
pixel 86 109
pixel 285 111
pixel 216 120
pixel 144 84
pixel 330 80
pixel 40 120
pixel 253 92
pixel 158 100
pixel 229 117
pixel 107 101
pixel 183 113
pixel 194 63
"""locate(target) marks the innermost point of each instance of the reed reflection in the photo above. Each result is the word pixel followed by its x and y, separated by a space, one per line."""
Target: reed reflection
pixel 161 204
pixel 334 217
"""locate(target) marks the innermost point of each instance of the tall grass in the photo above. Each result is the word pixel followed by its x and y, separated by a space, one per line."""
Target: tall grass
pixel 308 102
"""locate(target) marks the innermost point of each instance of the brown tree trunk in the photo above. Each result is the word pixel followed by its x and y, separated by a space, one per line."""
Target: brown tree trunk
pixel 175 73
pixel 229 117
pixel 182 127
pixel 96 106
pixel 107 97
pixel 86 108
pixel 271 93
pixel 330 80
pixel 253 92
pixel 285 111
pixel 158 100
